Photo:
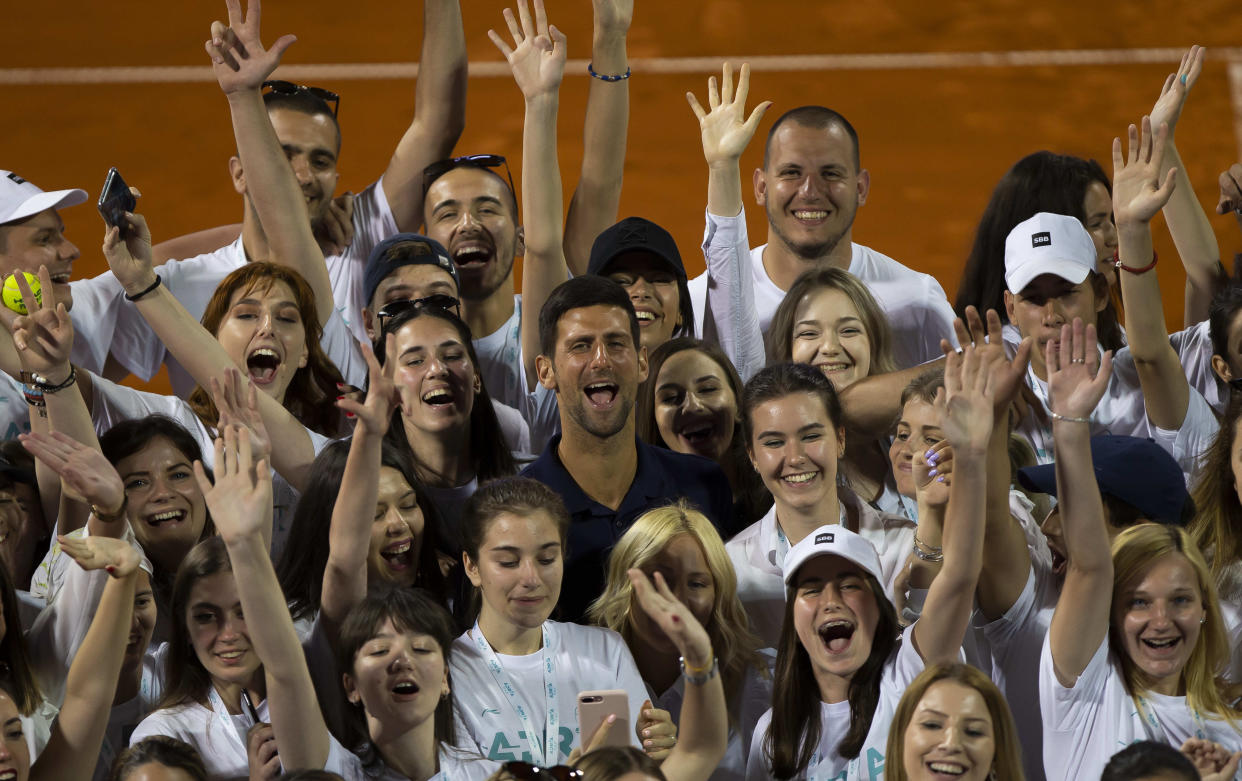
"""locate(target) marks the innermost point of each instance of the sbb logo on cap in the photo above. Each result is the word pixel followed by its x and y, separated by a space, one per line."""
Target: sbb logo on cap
pixel 825 537
pixel 16 179
pixel 1041 239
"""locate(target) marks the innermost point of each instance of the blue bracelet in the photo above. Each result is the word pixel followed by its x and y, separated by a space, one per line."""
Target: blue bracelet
pixel 605 77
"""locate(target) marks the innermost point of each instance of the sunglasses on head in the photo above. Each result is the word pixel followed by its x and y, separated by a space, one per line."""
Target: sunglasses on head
pixel 442 167
pixel 438 300
pixel 289 88
pixel 525 770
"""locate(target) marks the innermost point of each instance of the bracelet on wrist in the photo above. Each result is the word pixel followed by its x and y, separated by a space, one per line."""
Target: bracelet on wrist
pixel 1141 270
pixel 111 517
pixel 1068 418
pixel 46 386
pixel 928 548
pixel 928 556
pixel 33 396
pixel 144 291
pixel 606 76
pixel 699 677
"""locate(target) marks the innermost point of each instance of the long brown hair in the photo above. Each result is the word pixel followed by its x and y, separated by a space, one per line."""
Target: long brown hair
pixel 311 395
pixel 795 730
pixel 186 680
pixel 1007 751
pixel 1217 527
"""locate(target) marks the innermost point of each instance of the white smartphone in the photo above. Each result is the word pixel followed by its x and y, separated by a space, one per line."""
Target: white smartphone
pixel 594 707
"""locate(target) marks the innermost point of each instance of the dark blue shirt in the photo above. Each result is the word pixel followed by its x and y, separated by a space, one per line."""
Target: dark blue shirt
pixel 662 476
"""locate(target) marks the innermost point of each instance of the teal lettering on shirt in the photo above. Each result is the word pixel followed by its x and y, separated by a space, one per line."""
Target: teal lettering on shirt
pixel 875 764
pixel 503 751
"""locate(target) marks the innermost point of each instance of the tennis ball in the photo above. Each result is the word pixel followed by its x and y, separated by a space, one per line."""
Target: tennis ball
pixel 13 295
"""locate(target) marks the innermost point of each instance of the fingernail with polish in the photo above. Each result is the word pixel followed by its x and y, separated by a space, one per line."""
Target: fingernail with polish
pixel 931 473
pixel 940 479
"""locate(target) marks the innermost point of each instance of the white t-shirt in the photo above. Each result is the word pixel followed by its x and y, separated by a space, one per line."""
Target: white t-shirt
pixel 105 322
pixel 219 738
pixel 901 667
pixel 758 558
pixel 1088 723
pixel 455 765
pixel 756 698
pixel 14 412
pixel 113 403
pixel 585 658
pixel 914 302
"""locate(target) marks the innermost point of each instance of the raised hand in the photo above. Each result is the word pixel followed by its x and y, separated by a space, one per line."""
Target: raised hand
pixel 118 557
pixel 613 17
pixel 1138 193
pixel 933 474
pixel 130 258
pixel 966 402
pixel 989 342
pixel 241 499
pixel 1077 376
pixel 237 402
pixel 237 55
pixel 537 57
pixel 1213 761
pixel 674 618
pixel 335 229
pixel 1177 86
pixel 84 472
pixel 375 413
pixel 726 130
pixel 43 336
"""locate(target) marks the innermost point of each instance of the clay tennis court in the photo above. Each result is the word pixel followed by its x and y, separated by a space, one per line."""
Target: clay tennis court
pixel 945 97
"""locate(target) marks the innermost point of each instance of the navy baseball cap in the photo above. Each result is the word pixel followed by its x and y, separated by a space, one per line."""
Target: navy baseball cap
pixel 634 234
pixel 1137 471
pixel 404 249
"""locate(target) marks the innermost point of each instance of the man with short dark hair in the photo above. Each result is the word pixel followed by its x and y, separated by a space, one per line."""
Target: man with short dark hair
pixel 811 185
pixel 590 356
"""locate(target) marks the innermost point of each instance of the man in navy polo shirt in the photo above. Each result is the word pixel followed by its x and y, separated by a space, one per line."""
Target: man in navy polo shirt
pixel 590 356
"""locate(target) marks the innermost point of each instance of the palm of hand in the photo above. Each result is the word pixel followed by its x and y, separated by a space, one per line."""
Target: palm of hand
pixel 1135 194
pixel 538 65
pixel 1072 391
pixel 967 422
pixel 237 505
pixel 724 133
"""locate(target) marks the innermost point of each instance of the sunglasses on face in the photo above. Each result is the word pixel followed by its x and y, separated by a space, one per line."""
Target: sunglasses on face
pixel 289 88
pixel 524 770
pixel 437 300
pixel 489 162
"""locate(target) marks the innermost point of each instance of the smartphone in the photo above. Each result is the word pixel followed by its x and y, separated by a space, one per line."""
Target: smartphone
pixel 594 707
pixel 115 200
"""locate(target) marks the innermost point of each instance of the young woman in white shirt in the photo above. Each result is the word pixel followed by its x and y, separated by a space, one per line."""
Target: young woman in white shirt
pixel 683 546
pixel 517 672
pixel 843 661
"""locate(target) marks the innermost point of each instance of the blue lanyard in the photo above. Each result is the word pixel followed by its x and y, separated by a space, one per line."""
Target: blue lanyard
pixel 248 714
pixel 1149 720
pixel 551 733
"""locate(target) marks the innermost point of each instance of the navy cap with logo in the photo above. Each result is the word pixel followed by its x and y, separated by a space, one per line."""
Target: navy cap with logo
pixel 1137 471
pixel 404 249
pixel 635 234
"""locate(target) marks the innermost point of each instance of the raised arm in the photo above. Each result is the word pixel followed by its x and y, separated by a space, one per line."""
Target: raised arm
pixel 197 350
pixel 537 59
pixel 966 403
pixel 593 207
pixel 241 507
pixel 1192 232
pixel 1077 379
pixel 77 734
pixel 349 537
pixel 1139 191
pixel 704 729
pixel 726 131
pixel 439 111
pixel 241 65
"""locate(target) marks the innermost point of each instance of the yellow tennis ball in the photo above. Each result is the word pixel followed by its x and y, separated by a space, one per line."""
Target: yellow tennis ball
pixel 13 295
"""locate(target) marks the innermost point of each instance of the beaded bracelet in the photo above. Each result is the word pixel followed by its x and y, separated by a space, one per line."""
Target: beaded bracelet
pixel 604 76
pixel 1069 418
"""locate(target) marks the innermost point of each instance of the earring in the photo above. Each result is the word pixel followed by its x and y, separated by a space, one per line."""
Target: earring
pixel 1203 620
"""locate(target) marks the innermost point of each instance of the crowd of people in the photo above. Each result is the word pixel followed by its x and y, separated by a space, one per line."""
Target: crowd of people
pixel 798 517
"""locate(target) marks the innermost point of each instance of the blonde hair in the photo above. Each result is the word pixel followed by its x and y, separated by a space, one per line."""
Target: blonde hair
pixel 1135 551
pixel 735 645
pixel 1007 752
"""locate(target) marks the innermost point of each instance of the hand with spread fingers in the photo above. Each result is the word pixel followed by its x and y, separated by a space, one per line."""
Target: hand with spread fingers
pixel 119 558
pixel 84 472
pixel 965 404
pixel 240 501
pixel 1138 192
pixel 237 402
pixel 237 55
pixel 726 130
pixel 1168 107
pixel 537 57
pixel 1077 375
pixel 383 398
pixel 43 336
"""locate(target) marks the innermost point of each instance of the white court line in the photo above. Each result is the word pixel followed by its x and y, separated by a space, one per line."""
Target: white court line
pixel 327 72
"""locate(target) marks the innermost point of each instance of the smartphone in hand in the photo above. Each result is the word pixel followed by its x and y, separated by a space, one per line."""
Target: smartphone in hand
pixel 115 200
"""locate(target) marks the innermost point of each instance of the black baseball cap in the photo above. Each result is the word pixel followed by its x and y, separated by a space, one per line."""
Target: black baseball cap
pixel 404 249
pixel 1137 471
pixel 635 234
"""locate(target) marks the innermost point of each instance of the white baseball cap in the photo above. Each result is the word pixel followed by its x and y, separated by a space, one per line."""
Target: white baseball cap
pixel 833 540
pixel 1048 244
pixel 20 199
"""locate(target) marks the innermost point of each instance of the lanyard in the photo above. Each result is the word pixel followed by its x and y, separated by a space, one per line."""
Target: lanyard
pixel 551 733
pixel 249 714
pixel 1147 713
